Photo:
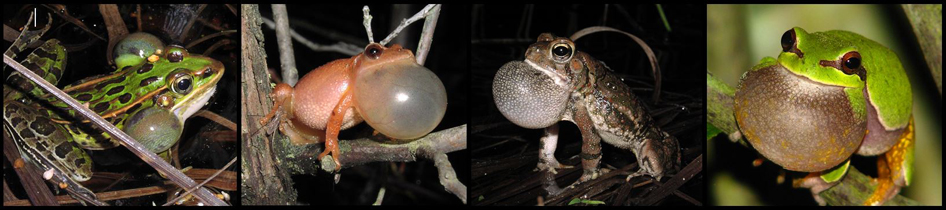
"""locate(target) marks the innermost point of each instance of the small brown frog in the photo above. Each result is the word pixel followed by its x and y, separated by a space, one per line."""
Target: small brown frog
pixel 558 83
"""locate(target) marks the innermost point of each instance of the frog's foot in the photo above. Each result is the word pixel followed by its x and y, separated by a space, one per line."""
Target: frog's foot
pixel 550 165
pixel 640 172
pixel 590 174
pixel 814 182
pixel 331 147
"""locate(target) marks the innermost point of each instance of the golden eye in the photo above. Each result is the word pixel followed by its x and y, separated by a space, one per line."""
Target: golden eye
pixel 561 51
pixel 182 83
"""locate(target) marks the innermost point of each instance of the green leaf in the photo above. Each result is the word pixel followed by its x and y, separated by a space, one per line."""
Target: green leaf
pixel 583 201
pixel 711 131
pixel 836 173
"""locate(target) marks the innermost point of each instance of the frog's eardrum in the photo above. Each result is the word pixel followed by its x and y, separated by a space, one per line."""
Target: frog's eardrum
pixel 528 97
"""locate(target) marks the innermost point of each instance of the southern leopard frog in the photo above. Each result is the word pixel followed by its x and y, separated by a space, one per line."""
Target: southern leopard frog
pixel 50 134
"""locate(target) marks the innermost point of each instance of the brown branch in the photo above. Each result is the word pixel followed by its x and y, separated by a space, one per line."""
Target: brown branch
pixel 263 182
pixel 362 151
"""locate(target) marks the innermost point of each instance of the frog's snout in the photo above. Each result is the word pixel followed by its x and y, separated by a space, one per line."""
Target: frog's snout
pixel 528 97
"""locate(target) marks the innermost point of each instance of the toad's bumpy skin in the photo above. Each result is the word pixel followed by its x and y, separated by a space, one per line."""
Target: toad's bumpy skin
pixel 558 83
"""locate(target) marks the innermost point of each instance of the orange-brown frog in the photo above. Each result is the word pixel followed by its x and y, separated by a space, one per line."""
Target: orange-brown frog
pixel 383 86
pixel 558 83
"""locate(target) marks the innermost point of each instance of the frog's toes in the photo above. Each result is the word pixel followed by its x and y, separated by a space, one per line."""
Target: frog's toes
pixel 550 166
pixel 640 173
pixel 589 175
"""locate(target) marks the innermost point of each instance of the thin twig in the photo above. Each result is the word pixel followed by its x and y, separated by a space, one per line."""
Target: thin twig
pixel 426 37
pixel 189 191
pixel 217 118
pixel 367 23
pixel 211 36
pixel 287 60
pixel 340 47
pixel 406 22
pixel 137 148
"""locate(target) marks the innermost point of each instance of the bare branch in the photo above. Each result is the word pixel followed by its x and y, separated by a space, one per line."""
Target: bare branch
pixel 430 23
pixel 340 47
pixel 367 23
pixel 406 22
pixel 286 59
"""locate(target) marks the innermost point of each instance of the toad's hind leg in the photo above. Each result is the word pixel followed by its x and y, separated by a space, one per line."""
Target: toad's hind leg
pixel 334 126
pixel 894 168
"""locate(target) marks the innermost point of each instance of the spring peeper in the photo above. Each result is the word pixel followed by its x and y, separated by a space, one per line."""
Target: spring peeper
pixel 383 86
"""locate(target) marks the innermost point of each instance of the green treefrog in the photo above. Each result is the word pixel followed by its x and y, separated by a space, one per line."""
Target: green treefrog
pixel 827 96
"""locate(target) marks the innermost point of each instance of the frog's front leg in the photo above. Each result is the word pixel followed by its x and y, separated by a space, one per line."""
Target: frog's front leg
pixel 894 168
pixel 590 145
pixel 549 142
pixel 334 126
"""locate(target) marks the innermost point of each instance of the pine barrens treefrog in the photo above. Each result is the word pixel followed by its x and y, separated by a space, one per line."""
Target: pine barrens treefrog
pixel 827 96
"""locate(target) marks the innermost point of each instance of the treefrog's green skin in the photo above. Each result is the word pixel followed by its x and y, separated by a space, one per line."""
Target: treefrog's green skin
pixel 888 88
pixel 147 95
pixel 828 95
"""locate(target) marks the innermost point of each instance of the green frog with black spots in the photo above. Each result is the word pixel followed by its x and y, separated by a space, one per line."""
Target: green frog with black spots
pixel 148 99
pixel 556 83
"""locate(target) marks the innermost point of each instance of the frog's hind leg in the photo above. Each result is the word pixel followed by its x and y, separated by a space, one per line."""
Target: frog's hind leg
pixel 894 168
pixel 334 126
pixel 549 142
pixel 300 134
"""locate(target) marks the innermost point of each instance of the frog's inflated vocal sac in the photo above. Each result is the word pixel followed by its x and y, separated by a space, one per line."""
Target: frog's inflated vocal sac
pixel 830 95
pixel 558 83
pixel 383 86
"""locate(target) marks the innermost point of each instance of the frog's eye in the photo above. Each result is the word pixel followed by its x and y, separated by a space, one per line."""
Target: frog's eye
pixel 181 82
pixel 790 43
pixel 373 51
pixel 561 51
pixel 850 62
pixel 788 40
pixel 176 54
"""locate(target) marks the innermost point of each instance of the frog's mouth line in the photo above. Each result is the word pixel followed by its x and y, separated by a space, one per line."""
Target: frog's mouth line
pixel 185 110
pixel 559 79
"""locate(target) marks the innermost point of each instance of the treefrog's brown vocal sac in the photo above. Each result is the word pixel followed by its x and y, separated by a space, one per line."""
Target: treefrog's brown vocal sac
pixel 558 83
